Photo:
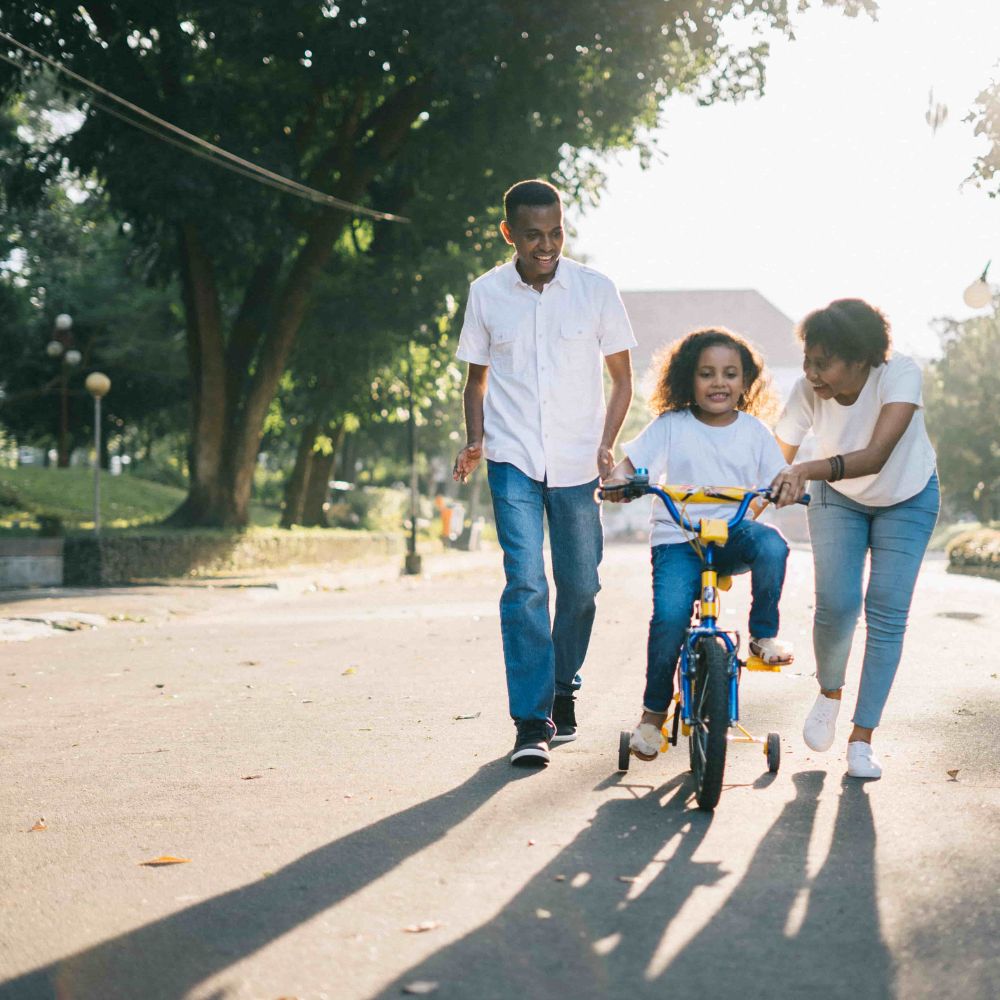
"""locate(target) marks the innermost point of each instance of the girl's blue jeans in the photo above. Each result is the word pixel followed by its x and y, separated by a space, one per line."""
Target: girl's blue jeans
pixel 843 534
pixel 752 547
pixel 544 659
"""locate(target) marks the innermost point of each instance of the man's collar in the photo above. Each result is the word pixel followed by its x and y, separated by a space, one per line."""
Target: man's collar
pixel 562 276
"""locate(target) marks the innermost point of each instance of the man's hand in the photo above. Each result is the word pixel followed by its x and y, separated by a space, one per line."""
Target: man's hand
pixel 788 486
pixel 467 462
pixel 605 461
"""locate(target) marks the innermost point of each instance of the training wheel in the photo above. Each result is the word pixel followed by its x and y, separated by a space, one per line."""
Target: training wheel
pixel 624 753
pixel 773 752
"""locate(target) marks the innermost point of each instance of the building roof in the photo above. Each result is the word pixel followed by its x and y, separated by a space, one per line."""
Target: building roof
pixel 661 317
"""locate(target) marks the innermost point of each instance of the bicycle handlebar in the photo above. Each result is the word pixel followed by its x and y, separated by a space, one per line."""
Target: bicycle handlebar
pixel 639 485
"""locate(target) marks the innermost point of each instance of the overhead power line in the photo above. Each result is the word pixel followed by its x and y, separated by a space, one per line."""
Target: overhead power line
pixel 194 144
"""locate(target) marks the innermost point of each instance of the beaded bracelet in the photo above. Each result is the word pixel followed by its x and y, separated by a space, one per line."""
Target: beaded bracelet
pixel 836 468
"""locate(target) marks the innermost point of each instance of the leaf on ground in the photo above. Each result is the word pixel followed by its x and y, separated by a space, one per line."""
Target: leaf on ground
pixel 531 843
pixel 460 717
pixel 39 825
pixel 558 878
pixel 421 987
pixel 543 914
pixel 164 859
pixel 249 777
pixel 628 878
pixel 249 663
pixel 348 671
pixel 422 927
pixel 953 773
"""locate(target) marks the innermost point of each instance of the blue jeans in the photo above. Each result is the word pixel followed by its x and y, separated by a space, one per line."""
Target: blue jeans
pixel 843 533
pixel 753 547
pixel 544 660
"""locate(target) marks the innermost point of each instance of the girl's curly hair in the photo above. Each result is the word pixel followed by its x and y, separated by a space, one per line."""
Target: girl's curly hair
pixel 678 362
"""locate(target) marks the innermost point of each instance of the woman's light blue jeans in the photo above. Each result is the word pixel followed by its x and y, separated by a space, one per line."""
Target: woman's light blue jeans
pixel 757 548
pixel 543 660
pixel 843 533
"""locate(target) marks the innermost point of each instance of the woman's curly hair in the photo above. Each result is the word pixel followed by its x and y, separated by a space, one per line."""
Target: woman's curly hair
pixel 678 362
pixel 849 329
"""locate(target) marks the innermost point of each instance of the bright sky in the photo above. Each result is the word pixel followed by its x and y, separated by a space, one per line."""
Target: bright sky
pixel 832 184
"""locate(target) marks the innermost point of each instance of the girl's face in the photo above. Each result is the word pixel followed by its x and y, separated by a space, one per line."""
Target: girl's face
pixel 832 377
pixel 718 384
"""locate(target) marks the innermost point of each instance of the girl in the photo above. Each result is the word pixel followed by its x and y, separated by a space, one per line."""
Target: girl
pixel 710 387
pixel 865 409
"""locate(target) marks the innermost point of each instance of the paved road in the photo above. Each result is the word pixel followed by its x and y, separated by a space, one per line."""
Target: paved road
pixel 329 754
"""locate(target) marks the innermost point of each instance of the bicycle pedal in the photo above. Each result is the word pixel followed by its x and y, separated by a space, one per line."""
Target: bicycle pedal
pixel 756 663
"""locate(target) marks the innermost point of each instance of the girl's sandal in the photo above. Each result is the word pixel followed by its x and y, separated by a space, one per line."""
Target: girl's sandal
pixel 647 737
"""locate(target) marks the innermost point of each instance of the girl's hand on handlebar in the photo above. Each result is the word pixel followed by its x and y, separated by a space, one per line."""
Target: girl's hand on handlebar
pixel 612 494
pixel 788 487
pixel 467 461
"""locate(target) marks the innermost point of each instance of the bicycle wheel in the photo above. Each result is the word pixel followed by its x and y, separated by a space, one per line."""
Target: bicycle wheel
pixel 709 720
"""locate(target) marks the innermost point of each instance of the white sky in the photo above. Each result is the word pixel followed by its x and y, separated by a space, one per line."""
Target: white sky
pixel 832 184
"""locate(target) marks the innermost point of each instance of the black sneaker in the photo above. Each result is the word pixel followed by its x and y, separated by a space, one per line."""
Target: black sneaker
pixel 531 748
pixel 564 716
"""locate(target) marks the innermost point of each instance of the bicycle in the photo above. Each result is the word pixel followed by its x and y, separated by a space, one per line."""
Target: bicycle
pixel 706 702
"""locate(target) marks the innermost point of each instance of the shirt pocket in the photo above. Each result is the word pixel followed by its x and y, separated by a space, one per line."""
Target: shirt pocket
pixel 578 343
pixel 506 352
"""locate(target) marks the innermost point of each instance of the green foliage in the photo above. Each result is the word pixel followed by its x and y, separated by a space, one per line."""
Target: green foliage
pixel 962 399
pixel 28 493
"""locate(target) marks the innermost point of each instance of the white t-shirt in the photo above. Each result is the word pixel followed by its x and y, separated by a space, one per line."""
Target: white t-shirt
pixel 841 429
pixel 679 449
pixel 544 407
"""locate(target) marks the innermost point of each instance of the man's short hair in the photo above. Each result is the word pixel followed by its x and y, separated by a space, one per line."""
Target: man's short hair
pixel 529 193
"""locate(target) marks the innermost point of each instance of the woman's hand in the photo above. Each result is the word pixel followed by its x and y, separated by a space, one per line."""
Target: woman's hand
pixel 789 486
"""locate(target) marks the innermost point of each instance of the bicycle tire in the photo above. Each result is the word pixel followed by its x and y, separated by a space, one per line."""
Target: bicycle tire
pixel 708 740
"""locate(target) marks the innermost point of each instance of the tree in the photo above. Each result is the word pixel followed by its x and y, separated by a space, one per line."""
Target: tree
pixel 962 392
pixel 428 109
pixel 986 117
pixel 69 256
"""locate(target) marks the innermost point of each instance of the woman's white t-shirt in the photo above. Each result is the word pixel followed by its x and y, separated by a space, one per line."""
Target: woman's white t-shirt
pixel 678 448
pixel 841 429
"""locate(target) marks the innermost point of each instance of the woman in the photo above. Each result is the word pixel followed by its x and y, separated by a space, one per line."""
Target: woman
pixel 874 491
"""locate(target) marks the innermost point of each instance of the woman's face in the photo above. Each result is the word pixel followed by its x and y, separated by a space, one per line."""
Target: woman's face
pixel 832 377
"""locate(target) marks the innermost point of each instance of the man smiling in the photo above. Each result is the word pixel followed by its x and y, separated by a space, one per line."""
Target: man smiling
pixel 535 331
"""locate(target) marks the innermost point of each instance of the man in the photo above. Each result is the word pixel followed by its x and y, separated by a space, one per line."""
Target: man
pixel 535 331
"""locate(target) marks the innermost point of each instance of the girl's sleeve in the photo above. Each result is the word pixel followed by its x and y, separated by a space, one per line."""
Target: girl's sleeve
pixel 771 461
pixel 649 449
pixel 903 382
pixel 797 416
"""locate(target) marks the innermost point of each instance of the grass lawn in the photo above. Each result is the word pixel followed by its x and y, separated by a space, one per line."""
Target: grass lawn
pixel 126 501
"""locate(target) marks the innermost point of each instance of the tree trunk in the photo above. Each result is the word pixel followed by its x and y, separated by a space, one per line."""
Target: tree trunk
pixel 295 488
pixel 317 490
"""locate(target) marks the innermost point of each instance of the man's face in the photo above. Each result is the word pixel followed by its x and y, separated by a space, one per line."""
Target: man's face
pixel 536 233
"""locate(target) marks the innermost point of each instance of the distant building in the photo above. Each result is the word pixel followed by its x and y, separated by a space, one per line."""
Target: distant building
pixel 660 317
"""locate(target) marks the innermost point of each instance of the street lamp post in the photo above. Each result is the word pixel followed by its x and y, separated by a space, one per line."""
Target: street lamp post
pixel 98 385
pixel 61 346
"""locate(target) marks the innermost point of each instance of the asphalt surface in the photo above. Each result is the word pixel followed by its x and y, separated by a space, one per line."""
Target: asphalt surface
pixel 328 754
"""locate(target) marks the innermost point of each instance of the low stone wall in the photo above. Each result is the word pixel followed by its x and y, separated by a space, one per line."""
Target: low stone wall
pixel 126 558
pixel 31 562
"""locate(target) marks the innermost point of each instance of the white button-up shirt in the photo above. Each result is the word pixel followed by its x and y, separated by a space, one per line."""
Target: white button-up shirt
pixel 544 407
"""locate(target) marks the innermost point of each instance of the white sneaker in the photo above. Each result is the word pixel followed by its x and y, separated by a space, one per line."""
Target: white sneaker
pixel 820 726
pixel 862 762
pixel 773 650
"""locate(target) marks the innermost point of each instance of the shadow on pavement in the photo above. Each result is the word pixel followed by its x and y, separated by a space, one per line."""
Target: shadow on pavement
pixel 778 934
pixel 166 959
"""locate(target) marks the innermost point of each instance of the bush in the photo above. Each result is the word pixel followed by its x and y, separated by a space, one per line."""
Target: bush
pixel 975 552
pixel 373 508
